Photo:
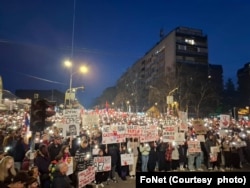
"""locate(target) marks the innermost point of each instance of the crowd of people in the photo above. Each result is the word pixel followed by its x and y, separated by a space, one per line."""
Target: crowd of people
pixel 45 165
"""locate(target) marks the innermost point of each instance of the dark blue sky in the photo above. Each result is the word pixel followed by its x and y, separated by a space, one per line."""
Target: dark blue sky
pixel 110 35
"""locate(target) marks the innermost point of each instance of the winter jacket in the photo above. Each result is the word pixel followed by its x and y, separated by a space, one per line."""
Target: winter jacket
pixel 60 181
pixel 80 156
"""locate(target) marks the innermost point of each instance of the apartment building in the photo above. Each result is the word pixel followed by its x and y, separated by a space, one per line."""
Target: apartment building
pixel 177 67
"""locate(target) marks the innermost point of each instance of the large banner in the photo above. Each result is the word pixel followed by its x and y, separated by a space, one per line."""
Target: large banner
pixel 90 122
pixel 194 146
pixel 102 163
pixel 113 134
pixel 71 122
pixel 86 176
pixel 127 159
pixel 179 137
pixel 149 133
pixel 168 133
pixel 133 131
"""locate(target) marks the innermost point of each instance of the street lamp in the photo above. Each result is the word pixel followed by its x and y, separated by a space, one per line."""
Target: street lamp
pixel 128 106
pixel 170 98
pixel 172 91
pixel 82 69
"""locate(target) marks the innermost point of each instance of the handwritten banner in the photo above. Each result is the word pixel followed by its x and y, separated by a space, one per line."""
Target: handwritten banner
pixel 71 122
pixel 194 146
pixel 168 133
pixel 149 133
pixel 86 176
pixel 113 134
pixel 127 159
pixel 102 163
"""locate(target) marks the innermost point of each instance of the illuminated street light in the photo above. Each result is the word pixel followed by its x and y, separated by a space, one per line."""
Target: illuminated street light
pixel 170 98
pixel 172 91
pixel 82 69
pixel 128 106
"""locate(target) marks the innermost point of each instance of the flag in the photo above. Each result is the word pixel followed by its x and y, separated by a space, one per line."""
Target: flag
pixel 26 119
pixel 82 112
pixel 97 110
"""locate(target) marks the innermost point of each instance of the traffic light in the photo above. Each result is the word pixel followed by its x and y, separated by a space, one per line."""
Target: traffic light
pixel 49 112
pixel 41 109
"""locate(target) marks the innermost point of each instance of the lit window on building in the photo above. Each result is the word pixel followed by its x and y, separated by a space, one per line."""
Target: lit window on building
pixel 190 41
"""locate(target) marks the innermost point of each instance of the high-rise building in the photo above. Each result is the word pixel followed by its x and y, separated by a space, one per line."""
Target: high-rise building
pixel 174 74
pixel 243 75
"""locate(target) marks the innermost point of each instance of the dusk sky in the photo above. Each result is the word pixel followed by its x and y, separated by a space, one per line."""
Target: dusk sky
pixel 109 36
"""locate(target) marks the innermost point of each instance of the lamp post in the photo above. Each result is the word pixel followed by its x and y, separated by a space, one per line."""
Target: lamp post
pixel 170 98
pixel 82 69
pixel 128 106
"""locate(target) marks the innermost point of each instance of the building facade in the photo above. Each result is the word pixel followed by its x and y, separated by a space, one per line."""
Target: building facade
pixel 243 75
pixel 176 68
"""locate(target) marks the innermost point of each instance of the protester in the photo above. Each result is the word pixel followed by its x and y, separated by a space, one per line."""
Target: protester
pixel 42 161
pixel 152 157
pixel 101 176
pixel 212 157
pixel 124 168
pixel 21 147
pixel 175 157
pixel 144 149
pixel 113 151
pixel 34 172
pixel 64 152
pixel 61 180
pixel 32 183
pixel 9 143
pixel 7 168
pixel 55 147
pixel 161 149
pixel 83 157
pixel 168 156
pixel 53 166
pixel 133 147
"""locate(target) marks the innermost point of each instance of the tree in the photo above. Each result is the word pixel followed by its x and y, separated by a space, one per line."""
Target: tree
pixel 230 96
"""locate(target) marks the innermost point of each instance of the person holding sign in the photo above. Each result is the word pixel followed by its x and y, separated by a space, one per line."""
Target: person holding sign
pixel 212 157
pixel 101 176
pixel 144 149
pixel 133 146
pixel 83 157
pixel 124 170
pixel 114 152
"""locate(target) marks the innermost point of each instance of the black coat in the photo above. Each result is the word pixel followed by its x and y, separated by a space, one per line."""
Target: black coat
pixel 114 152
pixel 152 159
pixel 54 150
pixel 60 180
pixel 81 154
